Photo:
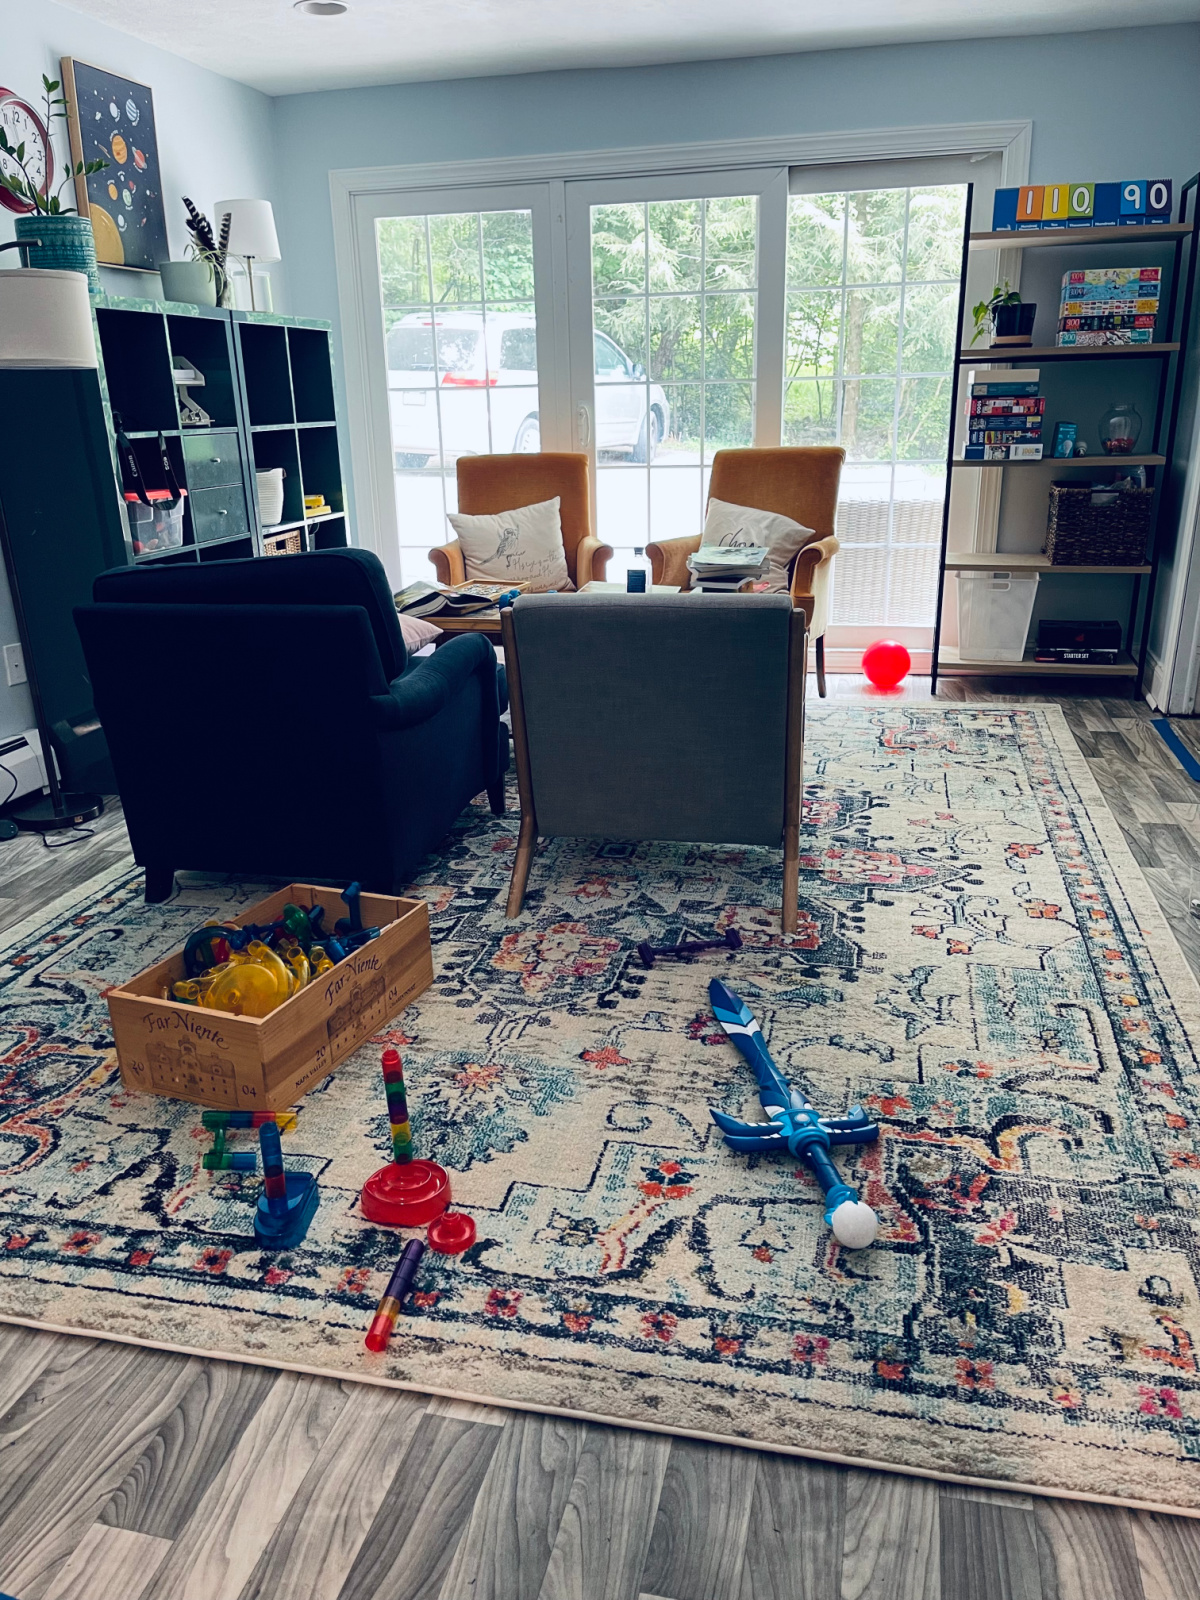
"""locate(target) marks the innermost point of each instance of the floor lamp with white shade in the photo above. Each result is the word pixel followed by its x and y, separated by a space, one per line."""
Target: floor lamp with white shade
pixel 45 326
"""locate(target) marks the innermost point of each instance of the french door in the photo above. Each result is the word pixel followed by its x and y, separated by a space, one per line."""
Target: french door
pixel 675 305
pixel 653 321
pixel 459 326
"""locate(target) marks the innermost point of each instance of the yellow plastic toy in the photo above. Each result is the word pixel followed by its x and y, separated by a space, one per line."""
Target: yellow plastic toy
pixel 319 961
pixel 246 988
pixel 297 963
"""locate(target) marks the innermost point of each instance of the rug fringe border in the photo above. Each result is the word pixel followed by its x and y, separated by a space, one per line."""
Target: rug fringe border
pixel 828 1457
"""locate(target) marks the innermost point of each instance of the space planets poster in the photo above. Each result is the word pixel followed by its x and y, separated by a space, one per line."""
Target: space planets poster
pixel 112 118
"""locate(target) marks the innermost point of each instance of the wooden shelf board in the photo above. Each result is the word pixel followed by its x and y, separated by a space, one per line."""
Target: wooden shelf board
pixel 1044 238
pixel 326 516
pixel 1024 561
pixel 1072 461
pixel 1018 354
pixel 950 665
pixel 328 423
pixel 271 427
pixel 270 529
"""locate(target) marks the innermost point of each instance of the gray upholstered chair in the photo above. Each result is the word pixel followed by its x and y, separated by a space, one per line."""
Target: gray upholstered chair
pixel 658 717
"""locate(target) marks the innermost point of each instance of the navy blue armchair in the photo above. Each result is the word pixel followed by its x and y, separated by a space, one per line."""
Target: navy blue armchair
pixel 264 718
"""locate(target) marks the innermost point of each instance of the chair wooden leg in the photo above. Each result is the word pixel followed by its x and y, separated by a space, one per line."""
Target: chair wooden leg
pixel 160 885
pixel 820 651
pixel 791 883
pixel 526 843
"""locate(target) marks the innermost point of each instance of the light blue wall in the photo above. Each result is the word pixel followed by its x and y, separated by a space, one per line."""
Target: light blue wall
pixel 1098 102
pixel 214 140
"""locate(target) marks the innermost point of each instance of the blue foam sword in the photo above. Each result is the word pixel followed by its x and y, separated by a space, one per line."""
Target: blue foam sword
pixel 793 1124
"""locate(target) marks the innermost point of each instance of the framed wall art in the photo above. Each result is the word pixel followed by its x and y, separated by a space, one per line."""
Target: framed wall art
pixel 112 118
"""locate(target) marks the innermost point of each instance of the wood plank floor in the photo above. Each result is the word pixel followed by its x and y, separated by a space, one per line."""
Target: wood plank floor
pixel 130 1474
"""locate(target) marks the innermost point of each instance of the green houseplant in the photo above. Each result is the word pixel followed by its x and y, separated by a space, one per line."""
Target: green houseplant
pixel 1009 317
pixel 66 239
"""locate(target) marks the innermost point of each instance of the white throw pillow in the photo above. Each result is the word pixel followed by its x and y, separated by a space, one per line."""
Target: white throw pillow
pixel 733 525
pixel 524 546
pixel 418 632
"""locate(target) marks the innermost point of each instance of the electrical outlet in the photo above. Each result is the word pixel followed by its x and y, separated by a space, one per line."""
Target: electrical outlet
pixel 14 665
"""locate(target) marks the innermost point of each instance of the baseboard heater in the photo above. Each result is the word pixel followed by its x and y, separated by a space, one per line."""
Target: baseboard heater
pixel 21 764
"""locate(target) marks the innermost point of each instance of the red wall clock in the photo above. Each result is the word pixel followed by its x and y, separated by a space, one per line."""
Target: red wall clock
pixel 22 124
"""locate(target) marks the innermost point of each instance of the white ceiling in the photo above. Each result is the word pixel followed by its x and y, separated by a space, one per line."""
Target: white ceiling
pixel 269 45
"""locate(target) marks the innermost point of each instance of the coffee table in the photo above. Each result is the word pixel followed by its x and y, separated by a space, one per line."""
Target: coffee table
pixel 488 622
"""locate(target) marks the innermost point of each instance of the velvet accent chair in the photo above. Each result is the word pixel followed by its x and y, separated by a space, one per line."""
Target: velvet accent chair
pixel 693 727
pixel 801 483
pixel 264 718
pixel 487 484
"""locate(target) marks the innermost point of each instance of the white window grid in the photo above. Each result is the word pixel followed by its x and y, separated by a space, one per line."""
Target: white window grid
pixel 896 585
pixel 445 473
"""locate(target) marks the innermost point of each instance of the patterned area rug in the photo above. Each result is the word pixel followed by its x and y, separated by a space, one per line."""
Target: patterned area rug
pixel 979 962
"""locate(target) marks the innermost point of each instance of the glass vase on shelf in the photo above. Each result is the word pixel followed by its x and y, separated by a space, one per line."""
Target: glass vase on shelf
pixel 1119 429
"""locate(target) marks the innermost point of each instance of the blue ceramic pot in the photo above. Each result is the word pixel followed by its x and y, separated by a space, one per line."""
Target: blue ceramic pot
pixel 67 245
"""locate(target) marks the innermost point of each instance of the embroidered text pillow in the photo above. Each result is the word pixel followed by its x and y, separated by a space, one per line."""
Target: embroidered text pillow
pixel 733 525
pixel 522 546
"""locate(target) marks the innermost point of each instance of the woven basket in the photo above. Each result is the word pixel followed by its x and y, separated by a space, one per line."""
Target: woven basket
pixel 1080 533
pixel 281 544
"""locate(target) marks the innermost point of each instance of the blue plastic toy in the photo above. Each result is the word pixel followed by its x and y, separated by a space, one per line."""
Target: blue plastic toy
pixel 288 1201
pixel 794 1125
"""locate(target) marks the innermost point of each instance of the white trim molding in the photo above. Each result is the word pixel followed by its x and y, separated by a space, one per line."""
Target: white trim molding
pixel 353 191
pixel 793 150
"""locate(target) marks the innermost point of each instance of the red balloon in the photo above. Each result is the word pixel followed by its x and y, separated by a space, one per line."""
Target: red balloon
pixel 885 662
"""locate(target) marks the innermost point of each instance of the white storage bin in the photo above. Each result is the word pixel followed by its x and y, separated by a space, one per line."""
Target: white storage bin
pixel 270 495
pixel 994 610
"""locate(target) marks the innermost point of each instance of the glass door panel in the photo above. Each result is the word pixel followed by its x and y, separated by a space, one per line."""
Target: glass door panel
pixel 461 348
pixel 665 290
pixel 872 297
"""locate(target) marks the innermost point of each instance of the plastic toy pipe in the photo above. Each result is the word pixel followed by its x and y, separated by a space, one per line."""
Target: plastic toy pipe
pixel 794 1125
pixel 230 1161
pixel 684 950
pixel 397 1104
pixel 213 1120
pixel 274 1180
pixel 394 1295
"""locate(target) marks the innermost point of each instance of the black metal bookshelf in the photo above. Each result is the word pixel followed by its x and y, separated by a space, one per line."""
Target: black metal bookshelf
pixel 1166 355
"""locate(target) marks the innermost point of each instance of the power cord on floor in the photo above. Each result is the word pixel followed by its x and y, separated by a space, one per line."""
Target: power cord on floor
pixel 78 835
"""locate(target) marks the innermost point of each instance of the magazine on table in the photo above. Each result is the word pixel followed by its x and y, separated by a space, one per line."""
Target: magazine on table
pixel 451 600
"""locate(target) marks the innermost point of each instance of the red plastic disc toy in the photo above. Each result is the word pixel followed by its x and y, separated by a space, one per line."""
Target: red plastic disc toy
pixel 451 1233
pixel 406 1196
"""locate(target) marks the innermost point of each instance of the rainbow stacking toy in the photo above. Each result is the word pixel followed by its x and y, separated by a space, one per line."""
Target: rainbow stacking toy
pixel 408 1192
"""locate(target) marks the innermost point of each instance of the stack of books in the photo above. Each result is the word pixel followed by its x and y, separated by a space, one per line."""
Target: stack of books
pixel 1109 305
pixel 727 568
pixel 1004 415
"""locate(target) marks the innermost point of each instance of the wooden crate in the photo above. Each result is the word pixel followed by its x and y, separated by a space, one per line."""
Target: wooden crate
pixel 266 1063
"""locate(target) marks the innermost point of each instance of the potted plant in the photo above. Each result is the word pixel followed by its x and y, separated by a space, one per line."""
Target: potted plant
pixel 203 279
pixel 51 234
pixel 1009 317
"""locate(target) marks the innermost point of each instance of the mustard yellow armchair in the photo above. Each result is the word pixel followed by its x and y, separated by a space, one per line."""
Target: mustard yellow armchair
pixel 801 483
pixel 487 484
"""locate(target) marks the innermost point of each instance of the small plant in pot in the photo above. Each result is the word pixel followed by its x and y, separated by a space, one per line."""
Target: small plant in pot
pixel 209 251
pixel 52 235
pixel 1009 317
